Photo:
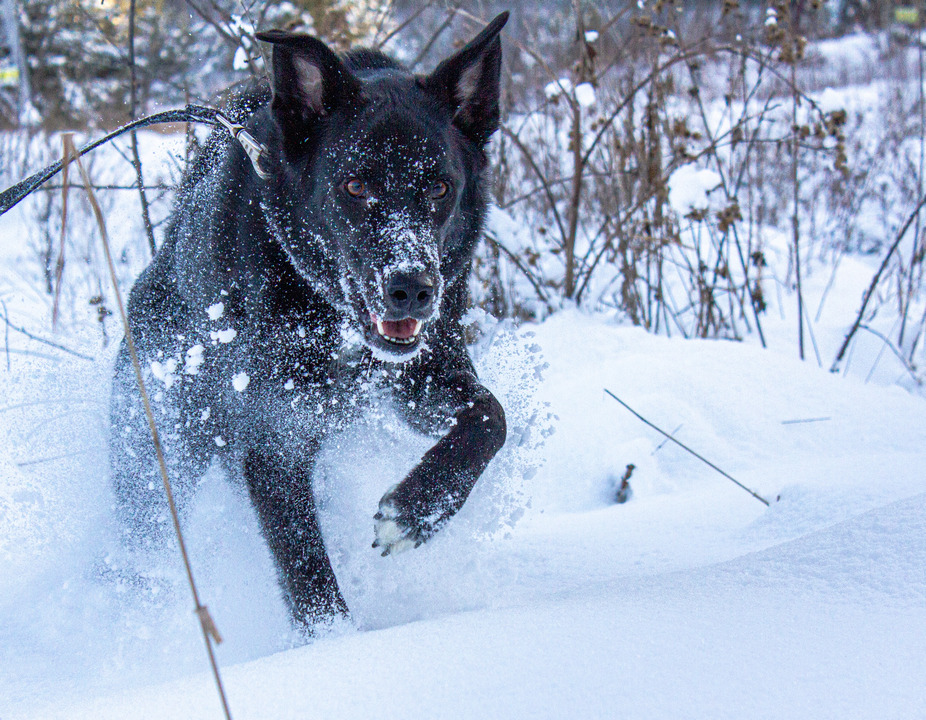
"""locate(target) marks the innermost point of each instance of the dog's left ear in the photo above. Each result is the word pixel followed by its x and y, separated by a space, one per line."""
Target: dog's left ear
pixel 309 80
pixel 469 82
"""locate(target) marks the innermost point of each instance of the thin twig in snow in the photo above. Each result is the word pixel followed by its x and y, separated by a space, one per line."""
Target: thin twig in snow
pixel 874 283
pixel 50 343
pixel 687 449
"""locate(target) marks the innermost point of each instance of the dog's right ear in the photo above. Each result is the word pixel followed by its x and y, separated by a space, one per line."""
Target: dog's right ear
pixel 309 80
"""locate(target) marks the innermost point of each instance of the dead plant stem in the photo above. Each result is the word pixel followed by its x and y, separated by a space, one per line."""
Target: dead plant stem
pixel 209 629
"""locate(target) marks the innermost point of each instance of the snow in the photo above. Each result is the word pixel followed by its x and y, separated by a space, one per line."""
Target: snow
pixel 194 358
pixel 585 94
pixel 689 188
pixel 691 600
pixel 558 87
pixel 241 59
pixel 224 336
pixel 240 381
pixel 165 371
pixel 850 50
pixel 215 311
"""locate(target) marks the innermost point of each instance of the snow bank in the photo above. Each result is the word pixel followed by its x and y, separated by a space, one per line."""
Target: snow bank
pixel 543 598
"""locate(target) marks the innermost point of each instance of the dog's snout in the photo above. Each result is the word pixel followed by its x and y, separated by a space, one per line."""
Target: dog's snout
pixel 410 294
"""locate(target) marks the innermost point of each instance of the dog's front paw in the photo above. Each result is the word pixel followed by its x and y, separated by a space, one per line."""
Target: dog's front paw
pixel 393 530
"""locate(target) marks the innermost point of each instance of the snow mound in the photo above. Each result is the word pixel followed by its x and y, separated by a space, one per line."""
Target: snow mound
pixel 543 598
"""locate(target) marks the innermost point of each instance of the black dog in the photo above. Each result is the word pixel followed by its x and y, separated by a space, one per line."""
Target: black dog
pixel 278 307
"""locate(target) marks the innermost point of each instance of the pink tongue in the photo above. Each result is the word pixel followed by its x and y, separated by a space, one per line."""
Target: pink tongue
pixel 400 329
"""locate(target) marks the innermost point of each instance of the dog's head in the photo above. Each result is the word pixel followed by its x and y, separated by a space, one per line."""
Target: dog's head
pixel 378 177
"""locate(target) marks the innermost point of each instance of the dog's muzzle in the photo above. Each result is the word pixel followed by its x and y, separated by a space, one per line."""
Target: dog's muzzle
pixel 409 299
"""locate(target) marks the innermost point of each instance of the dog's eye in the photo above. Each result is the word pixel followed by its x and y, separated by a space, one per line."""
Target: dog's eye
pixel 439 190
pixel 354 187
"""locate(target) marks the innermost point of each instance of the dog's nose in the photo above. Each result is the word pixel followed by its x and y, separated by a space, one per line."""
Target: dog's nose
pixel 410 294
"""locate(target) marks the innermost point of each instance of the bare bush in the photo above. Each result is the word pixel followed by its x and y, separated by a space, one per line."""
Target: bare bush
pixel 653 153
pixel 652 105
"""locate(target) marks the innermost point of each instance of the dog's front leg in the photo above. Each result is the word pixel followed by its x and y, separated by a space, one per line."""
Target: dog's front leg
pixel 282 494
pixel 437 487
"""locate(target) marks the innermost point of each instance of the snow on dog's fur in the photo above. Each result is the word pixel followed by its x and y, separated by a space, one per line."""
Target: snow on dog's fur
pixel 276 309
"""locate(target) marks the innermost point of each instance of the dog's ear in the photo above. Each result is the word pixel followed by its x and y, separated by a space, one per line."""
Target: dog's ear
pixel 469 82
pixel 309 80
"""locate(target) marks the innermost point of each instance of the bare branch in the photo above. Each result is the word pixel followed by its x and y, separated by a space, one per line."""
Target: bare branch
pixel 874 284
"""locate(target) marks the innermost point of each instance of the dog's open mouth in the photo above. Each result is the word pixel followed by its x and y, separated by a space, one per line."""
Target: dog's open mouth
pixel 398 332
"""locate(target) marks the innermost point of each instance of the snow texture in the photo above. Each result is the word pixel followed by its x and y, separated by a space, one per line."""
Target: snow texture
pixel 558 87
pixel 240 381
pixel 194 358
pixel 223 336
pixel 215 311
pixel 585 94
pixel 542 598
pixel 689 188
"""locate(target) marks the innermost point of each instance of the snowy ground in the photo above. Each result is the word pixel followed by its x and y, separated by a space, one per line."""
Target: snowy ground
pixel 542 599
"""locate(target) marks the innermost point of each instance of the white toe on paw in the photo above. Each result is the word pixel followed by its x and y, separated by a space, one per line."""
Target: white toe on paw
pixel 391 535
pixel 388 532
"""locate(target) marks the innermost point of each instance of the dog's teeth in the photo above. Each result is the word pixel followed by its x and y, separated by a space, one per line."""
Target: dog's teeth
pixel 381 328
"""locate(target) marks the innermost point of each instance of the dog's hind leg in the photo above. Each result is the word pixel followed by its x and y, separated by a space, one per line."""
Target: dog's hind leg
pixel 282 495
pixel 141 504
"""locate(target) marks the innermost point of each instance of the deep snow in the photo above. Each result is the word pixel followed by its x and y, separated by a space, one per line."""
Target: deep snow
pixel 542 599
